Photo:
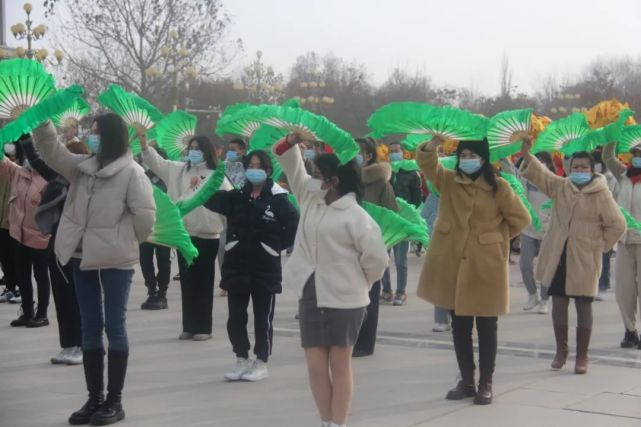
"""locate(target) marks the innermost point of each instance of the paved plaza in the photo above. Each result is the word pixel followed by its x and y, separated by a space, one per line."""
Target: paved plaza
pixel 178 383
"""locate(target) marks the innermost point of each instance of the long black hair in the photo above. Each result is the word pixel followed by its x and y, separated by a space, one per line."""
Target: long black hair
pixel 349 174
pixel 263 158
pixel 481 148
pixel 207 148
pixel 369 147
pixel 114 138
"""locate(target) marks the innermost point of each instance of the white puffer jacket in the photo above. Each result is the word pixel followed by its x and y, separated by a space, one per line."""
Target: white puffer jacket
pixel 108 211
pixel 177 176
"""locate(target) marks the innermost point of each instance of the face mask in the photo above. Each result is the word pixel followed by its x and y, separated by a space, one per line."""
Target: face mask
pixel 470 166
pixel 231 156
pixel 93 142
pixel 396 156
pixel 359 160
pixel 636 162
pixel 195 157
pixel 580 178
pixel 255 176
pixel 315 185
pixel 309 154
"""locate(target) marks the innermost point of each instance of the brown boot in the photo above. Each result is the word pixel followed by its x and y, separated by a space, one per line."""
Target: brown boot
pixel 561 336
pixel 582 344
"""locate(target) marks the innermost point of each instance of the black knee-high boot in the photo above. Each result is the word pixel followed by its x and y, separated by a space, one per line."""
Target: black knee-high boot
pixel 462 336
pixel 93 363
pixel 111 411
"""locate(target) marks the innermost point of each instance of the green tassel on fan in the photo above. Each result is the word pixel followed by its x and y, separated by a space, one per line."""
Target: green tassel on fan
pixel 40 113
pixel 169 229
pixel 211 185
pixel 410 213
pixel 418 118
pixel 23 84
pixel 506 131
pixel 632 223
pixel 520 191
pixel 561 132
pixel 630 137
pixel 72 115
pixel 406 165
pixel 139 114
pixel 412 141
pixel 395 228
pixel 172 133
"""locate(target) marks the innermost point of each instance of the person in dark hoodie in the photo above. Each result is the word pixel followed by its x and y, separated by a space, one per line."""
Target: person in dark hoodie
pixel 261 223
pixel 379 191
pixel 62 283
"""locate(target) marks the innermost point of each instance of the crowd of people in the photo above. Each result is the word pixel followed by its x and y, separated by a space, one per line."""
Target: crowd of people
pixel 76 216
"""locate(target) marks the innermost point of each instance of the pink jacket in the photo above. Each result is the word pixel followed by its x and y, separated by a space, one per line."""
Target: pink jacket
pixel 26 189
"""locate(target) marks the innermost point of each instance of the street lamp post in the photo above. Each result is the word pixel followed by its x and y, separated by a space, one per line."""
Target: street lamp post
pixel 25 30
pixel 312 95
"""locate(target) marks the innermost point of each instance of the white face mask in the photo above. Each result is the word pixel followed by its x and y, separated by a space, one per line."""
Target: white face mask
pixel 10 149
pixel 315 186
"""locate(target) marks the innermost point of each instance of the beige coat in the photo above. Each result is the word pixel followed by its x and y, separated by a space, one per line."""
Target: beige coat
pixel 466 266
pixel 108 211
pixel 377 186
pixel 588 219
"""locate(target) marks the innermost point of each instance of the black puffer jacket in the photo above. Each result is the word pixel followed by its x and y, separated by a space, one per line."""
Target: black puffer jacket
pixel 258 230
pixel 407 185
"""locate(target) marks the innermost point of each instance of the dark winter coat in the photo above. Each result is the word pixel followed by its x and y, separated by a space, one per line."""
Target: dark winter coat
pixel 407 185
pixel 258 230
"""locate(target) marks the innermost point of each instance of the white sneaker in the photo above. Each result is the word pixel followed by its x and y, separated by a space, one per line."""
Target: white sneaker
pixel 441 327
pixel 60 358
pixel 543 306
pixel 242 367
pixel 257 372
pixel 6 295
pixel 600 296
pixel 74 357
pixel 16 299
pixel 532 301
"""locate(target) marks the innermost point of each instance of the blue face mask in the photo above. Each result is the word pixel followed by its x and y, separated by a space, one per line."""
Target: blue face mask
pixel 396 156
pixel 231 156
pixel 309 154
pixel 470 166
pixel 580 178
pixel 636 162
pixel 359 160
pixel 93 142
pixel 256 176
pixel 195 156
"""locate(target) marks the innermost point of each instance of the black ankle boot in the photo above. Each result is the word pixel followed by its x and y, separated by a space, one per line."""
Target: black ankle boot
pixel 630 339
pixel 111 411
pixel 93 363
pixel 484 394
pixel 464 389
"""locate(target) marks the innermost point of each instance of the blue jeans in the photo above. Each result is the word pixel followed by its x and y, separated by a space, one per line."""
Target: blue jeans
pixel 90 286
pixel 400 260
pixel 604 280
pixel 442 315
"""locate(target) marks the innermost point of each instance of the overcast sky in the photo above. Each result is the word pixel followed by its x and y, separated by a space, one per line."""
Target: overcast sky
pixel 456 42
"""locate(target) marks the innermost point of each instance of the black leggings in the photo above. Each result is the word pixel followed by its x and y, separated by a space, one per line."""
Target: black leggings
pixel 462 333
pixel 8 259
pixel 28 258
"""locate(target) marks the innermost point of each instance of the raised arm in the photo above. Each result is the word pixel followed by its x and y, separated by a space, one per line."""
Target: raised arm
pixel 612 163
pixel 293 165
pixel 35 160
pixel 154 161
pixel 539 175
pixel 54 152
pixel 427 160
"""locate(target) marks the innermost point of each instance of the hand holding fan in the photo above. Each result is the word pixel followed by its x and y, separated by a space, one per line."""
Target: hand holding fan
pixel 506 131
pixel 172 133
pixel 72 115
pixel 561 132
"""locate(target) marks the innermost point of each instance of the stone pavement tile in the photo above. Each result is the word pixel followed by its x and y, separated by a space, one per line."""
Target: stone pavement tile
pixel 621 405
pixel 598 379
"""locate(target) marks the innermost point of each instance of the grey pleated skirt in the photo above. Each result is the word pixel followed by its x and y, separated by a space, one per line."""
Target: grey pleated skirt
pixel 327 327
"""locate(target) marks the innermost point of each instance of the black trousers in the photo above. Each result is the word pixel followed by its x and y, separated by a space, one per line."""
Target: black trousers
pixel 197 287
pixel 462 333
pixel 367 335
pixel 155 282
pixel 28 259
pixel 8 259
pixel 263 305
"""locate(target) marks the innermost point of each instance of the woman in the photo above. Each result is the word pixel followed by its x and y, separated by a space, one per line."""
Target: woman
pixel 466 267
pixel 628 259
pixel 10 293
pixel 261 223
pixel 338 254
pixel 48 216
pixel 585 223
pixel 109 210
pixel 28 243
pixel 196 280
pixel 378 190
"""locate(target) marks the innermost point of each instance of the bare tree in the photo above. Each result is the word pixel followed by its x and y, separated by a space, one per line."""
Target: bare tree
pixel 119 41
pixel 505 79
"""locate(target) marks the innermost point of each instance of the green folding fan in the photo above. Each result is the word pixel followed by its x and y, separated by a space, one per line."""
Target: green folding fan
pixel 412 141
pixel 630 137
pixel 410 213
pixel 506 131
pixel 205 192
pixel 561 132
pixel 394 227
pixel 231 123
pixel 39 113
pixel 520 191
pixel 72 115
pixel 23 84
pixel 139 114
pixel 172 133
pixel 406 165
pixel 418 118
pixel 169 229
pixel 598 137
